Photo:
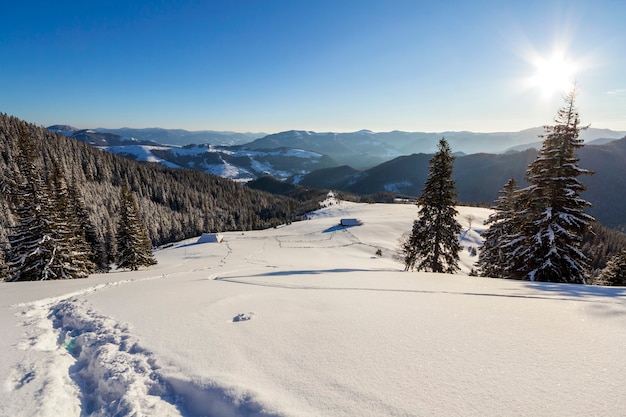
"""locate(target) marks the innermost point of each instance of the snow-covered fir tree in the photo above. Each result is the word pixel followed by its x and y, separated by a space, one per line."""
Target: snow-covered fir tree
pixel 615 271
pixel 433 244
pixel 134 248
pixel 28 250
pixel 495 258
pixel 4 272
pixel 5 213
pixel 41 240
pixel 93 246
pixel 74 254
pixel 553 217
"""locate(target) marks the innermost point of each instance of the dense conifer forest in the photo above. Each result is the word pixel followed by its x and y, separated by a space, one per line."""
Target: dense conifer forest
pixel 173 204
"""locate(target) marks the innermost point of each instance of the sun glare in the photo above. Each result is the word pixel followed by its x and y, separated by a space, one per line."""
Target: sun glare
pixel 554 75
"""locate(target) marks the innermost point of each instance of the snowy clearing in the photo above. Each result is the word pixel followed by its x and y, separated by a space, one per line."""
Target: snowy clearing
pixel 306 320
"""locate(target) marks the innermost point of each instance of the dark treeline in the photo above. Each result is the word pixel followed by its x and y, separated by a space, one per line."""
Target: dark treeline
pixel 174 204
pixel 600 246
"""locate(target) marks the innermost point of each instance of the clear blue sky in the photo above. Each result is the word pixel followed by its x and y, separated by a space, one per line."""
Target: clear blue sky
pixel 337 65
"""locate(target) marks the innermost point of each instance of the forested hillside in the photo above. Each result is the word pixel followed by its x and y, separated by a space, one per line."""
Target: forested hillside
pixel 174 204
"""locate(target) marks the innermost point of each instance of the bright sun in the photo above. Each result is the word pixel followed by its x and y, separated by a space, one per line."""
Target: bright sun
pixel 553 75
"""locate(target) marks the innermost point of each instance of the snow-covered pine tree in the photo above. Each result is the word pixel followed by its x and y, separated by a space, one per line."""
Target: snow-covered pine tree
pixel 4 273
pixel 554 219
pixel 433 244
pixel 73 253
pixel 93 246
pixel 615 271
pixel 495 253
pixel 134 248
pixel 5 212
pixel 32 247
pixel 25 260
pixel 110 243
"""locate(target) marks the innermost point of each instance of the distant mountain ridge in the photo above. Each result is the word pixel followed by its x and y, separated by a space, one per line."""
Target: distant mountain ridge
pixel 162 136
pixel 362 150
pixel 98 138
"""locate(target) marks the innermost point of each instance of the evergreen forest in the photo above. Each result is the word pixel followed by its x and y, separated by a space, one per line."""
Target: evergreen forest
pixel 172 204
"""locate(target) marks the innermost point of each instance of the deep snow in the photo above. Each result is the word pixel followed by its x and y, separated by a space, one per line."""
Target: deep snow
pixel 306 320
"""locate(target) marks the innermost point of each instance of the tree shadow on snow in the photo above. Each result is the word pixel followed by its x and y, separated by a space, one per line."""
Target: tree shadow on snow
pixel 602 301
pixel 560 292
pixel 285 273
pixel 577 290
pixel 336 228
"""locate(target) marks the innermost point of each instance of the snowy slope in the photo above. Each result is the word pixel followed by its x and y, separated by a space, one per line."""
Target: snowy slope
pixel 229 162
pixel 305 320
pixel 141 153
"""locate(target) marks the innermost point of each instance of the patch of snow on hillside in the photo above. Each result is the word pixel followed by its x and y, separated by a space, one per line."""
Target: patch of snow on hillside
pixel 300 153
pixel 288 152
pixel 191 150
pixel 141 153
pixel 227 170
pixel 219 149
pixel 265 168
pixel 200 149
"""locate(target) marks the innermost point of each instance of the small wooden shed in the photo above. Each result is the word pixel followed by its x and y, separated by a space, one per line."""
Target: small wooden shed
pixel 210 238
pixel 350 222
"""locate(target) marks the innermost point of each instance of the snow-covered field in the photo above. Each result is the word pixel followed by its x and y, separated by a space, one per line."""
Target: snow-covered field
pixel 306 320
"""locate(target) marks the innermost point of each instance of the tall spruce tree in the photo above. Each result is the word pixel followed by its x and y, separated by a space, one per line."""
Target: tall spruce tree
pixel 433 244
pixel 5 212
pixel 93 246
pixel 494 259
pixel 74 255
pixel 553 220
pixel 134 248
pixel 4 272
pixel 30 248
